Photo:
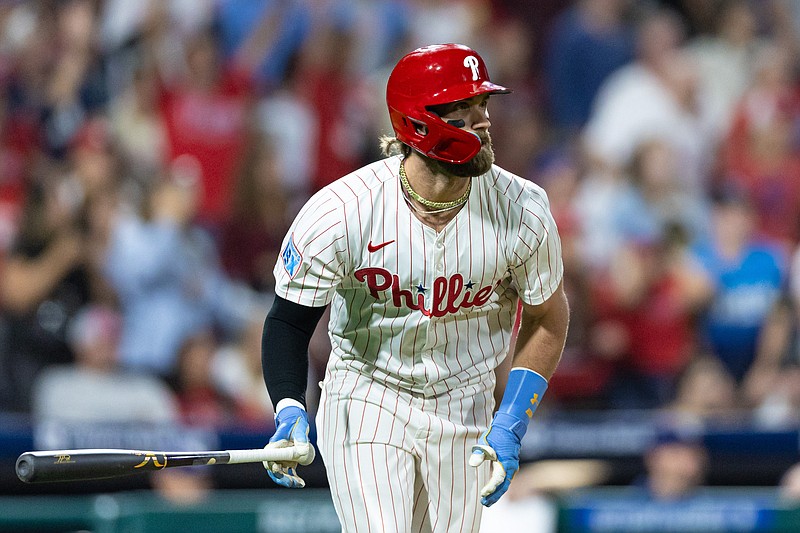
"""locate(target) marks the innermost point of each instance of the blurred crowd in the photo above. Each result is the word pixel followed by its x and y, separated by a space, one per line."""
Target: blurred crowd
pixel 153 154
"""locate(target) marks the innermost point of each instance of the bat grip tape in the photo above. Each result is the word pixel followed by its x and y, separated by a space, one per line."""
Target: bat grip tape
pixel 261 454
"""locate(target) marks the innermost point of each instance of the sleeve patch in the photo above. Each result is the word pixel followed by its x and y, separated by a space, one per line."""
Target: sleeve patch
pixel 291 257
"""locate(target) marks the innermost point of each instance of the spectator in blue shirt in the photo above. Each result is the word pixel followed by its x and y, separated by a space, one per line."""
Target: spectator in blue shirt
pixel 588 42
pixel 291 23
pixel 749 276
pixel 171 285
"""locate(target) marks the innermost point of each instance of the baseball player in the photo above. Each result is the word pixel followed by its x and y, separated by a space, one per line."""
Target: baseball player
pixel 423 258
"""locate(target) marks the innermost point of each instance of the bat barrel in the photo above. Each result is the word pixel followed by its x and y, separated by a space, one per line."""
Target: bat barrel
pixel 69 465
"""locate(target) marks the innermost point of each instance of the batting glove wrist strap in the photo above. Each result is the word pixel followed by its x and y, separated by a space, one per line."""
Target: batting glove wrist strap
pixel 524 391
pixel 511 423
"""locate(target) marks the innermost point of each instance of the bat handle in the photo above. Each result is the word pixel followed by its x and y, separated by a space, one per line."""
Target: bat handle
pixel 262 455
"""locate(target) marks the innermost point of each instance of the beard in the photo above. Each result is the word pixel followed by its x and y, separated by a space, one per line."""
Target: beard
pixel 480 164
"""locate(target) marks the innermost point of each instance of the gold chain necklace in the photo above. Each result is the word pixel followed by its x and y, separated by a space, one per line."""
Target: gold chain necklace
pixel 414 207
pixel 438 206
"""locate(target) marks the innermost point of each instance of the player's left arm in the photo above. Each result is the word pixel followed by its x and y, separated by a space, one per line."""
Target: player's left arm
pixel 542 334
pixel 538 349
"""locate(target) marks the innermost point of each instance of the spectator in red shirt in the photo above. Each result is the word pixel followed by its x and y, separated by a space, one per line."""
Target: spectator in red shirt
pixel 644 325
pixel 760 153
pixel 338 98
pixel 206 117
pixel 208 112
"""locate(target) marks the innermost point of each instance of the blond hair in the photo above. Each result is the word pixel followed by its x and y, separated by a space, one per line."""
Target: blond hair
pixel 390 145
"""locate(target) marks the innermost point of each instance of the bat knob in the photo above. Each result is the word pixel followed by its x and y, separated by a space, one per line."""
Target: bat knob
pixel 25 470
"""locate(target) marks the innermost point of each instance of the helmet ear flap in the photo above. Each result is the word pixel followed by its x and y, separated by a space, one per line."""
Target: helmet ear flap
pixel 419 126
pixel 408 129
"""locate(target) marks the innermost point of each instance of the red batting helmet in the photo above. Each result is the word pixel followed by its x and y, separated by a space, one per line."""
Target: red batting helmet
pixel 432 75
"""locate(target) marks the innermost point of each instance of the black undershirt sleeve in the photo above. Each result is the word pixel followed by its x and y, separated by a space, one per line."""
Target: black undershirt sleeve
pixel 284 348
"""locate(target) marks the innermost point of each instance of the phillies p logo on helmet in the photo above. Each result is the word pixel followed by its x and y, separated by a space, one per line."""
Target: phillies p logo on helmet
pixel 471 62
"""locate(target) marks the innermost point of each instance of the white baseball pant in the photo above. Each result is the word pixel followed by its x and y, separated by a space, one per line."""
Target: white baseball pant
pixel 398 461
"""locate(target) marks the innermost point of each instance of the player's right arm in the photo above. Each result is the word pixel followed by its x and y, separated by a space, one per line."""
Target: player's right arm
pixel 284 355
pixel 306 274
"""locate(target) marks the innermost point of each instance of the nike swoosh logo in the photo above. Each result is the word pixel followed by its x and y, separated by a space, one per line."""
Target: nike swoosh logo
pixel 375 247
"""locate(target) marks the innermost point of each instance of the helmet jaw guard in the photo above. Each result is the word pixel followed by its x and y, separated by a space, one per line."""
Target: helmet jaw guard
pixel 435 138
pixel 433 75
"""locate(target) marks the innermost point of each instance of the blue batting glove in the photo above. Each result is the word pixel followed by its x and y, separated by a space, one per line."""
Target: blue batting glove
pixel 500 445
pixel 291 431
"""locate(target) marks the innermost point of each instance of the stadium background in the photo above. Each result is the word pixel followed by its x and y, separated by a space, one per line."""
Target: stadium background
pixel 153 153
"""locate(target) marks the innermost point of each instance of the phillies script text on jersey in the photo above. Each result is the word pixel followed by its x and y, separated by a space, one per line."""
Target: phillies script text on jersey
pixel 448 294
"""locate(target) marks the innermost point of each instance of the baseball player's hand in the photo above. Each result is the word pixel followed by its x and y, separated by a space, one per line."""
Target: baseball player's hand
pixel 292 430
pixel 499 445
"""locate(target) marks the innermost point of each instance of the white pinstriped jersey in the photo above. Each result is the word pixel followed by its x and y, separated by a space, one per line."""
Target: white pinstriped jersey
pixel 424 310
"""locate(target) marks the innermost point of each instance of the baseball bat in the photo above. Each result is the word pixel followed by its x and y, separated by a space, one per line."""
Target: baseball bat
pixel 96 463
